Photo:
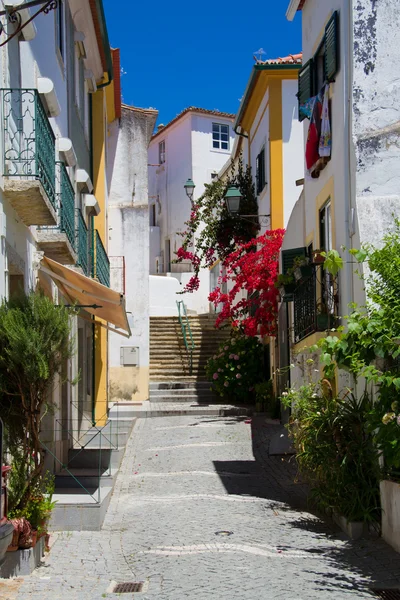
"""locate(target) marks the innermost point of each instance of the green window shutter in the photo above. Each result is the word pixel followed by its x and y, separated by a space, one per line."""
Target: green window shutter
pixel 332 47
pixel 288 257
pixel 306 76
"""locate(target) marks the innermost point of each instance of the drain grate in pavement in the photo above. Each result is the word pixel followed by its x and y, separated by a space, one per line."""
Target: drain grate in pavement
pixel 128 587
pixel 388 594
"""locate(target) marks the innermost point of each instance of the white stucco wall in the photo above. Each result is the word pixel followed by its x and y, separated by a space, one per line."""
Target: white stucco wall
pixel 129 237
pixel 189 154
pixel 292 134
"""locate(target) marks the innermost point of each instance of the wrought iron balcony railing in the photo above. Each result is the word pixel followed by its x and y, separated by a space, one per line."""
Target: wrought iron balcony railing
pixel 82 243
pixel 315 304
pixel 28 139
pixel 101 263
pixel 67 206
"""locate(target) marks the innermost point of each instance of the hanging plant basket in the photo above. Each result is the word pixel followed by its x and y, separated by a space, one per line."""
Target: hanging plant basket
pixel 303 272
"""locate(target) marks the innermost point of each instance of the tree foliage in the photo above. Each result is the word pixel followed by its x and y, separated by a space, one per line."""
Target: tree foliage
pixel 34 343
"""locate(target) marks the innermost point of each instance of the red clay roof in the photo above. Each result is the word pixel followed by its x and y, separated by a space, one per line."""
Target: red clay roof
pixel 116 58
pixel 292 59
pixel 194 109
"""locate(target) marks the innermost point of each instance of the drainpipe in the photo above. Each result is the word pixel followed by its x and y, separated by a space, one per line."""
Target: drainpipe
pixel 347 78
pixel 245 135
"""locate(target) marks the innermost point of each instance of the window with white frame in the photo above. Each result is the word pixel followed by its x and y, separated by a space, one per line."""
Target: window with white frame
pixel 161 152
pixel 220 136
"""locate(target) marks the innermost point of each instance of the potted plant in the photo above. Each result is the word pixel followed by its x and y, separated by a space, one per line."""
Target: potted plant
pixel 286 284
pixel 301 268
pixel 318 257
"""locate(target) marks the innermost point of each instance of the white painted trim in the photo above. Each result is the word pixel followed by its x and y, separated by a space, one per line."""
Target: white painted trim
pixel 292 9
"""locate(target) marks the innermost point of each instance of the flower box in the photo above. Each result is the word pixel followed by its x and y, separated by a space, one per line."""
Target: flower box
pixel 390 502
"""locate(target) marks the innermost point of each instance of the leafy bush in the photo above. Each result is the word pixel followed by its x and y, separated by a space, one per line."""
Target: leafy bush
pixel 237 367
pixel 34 343
pixel 335 449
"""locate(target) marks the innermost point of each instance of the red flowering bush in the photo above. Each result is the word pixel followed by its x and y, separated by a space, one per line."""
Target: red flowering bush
pixel 252 267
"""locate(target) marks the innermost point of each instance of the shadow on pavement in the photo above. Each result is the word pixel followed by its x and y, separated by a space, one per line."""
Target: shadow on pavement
pixel 362 564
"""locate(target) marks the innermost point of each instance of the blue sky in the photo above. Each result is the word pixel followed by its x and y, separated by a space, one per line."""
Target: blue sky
pixel 178 54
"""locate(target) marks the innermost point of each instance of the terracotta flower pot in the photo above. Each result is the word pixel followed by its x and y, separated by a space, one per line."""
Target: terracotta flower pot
pixel 14 542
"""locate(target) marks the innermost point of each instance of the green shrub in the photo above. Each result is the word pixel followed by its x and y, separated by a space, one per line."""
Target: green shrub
pixel 237 367
pixel 335 450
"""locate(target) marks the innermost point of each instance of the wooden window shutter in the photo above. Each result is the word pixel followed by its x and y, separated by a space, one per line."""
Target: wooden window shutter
pixel 331 47
pixel 306 76
pixel 288 257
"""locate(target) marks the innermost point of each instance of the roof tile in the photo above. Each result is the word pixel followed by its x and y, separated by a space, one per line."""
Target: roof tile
pixel 195 109
pixel 292 59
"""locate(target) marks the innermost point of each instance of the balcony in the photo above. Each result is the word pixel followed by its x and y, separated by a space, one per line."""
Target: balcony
pixel 59 243
pixel 316 303
pixel 82 244
pixel 101 263
pixel 28 157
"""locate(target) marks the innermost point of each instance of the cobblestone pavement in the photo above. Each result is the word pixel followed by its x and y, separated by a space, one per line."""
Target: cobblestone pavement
pixel 182 480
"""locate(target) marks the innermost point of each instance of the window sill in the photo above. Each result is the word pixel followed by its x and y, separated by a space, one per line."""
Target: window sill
pixel 220 151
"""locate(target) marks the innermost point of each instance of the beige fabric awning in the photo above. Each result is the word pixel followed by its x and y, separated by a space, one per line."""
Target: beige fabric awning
pixel 84 290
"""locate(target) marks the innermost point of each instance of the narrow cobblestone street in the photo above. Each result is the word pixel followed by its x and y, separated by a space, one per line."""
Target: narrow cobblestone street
pixel 183 479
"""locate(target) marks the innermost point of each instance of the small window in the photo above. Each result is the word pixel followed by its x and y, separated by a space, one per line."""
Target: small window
pixel 322 67
pixel 153 220
pixel 325 227
pixel 319 68
pixel 220 136
pixel 260 171
pixel 161 152
pixel 59 16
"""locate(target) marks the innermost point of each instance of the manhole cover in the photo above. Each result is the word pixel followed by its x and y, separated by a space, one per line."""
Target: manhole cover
pixel 224 533
pixel 127 588
pixel 387 594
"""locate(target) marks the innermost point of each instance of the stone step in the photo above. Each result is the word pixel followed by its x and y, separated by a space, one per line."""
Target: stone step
pixel 78 510
pixel 179 385
pixel 192 399
pixel 183 377
pixel 87 478
pixel 203 392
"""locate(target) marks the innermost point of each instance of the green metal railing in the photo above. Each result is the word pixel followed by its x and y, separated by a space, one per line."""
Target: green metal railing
pixel 186 332
pixel 101 263
pixel 82 243
pixel 28 139
pixel 66 205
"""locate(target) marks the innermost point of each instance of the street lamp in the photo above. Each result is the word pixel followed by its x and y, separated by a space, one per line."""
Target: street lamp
pixel 189 189
pixel 232 201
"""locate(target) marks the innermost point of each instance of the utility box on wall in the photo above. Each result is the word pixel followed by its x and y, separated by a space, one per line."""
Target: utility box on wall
pixel 129 356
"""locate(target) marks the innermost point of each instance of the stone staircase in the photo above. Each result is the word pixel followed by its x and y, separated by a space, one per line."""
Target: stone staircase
pixel 168 357
pixel 171 379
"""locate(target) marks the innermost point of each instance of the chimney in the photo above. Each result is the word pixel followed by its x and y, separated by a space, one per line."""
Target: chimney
pixel 159 127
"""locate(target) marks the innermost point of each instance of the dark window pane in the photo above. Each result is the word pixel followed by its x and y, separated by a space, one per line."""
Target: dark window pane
pixel 215 144
pixel 224 146
pixel 224 129
pixel 224 137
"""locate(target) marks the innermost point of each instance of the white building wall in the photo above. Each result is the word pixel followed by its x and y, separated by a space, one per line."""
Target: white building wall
pixel 259 139
pixel 292 134
pixel 189 154
pixel 129 237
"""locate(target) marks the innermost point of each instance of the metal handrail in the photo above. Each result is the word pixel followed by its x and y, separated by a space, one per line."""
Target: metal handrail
pixel 186 331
